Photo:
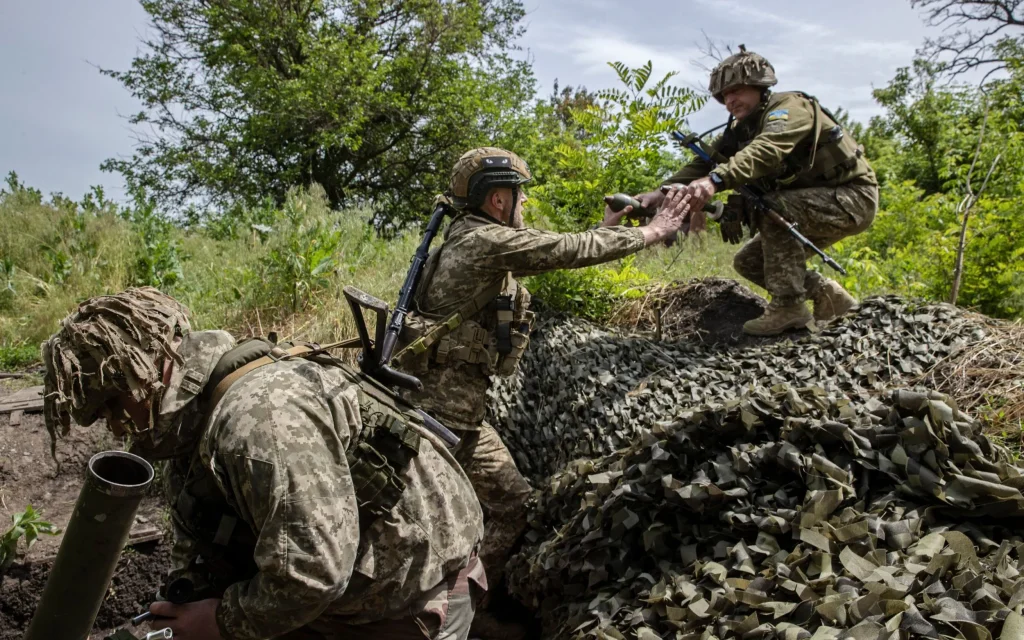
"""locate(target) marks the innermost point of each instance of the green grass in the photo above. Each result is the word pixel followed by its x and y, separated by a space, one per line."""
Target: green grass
pixel 249 283
pixel 18 356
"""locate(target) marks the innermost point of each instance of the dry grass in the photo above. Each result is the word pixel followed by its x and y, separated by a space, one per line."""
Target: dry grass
pixel 987 378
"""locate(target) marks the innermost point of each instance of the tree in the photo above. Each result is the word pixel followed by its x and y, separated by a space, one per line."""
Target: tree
pixel 977 34
pixel 616 142
pixel 372 99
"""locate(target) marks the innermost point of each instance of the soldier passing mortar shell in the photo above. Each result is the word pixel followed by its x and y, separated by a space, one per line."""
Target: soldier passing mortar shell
pixel 793 150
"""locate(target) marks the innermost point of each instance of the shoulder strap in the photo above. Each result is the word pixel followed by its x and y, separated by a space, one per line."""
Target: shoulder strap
pixel 276 354
pixel 452 321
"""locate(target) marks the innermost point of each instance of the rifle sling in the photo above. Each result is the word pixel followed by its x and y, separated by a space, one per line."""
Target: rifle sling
pixel 452 322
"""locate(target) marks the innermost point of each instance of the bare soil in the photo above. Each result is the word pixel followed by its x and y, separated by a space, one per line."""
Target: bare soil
pixel 29 476
pixel 710 310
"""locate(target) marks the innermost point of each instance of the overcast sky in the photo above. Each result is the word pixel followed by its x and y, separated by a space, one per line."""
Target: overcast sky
pixel 59 118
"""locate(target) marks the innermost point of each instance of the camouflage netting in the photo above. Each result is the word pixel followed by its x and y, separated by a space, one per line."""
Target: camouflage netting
pixel 777 491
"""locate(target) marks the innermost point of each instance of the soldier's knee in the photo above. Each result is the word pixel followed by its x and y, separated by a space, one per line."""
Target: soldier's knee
pixel 744 264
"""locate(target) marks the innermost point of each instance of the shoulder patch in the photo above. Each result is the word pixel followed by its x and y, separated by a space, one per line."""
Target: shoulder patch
pixel 778 114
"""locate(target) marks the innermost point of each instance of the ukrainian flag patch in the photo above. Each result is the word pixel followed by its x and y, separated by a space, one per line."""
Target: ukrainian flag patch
pixel 778 114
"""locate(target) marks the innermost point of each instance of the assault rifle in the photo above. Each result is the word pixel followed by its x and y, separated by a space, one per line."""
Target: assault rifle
pixel 755 196
pixel 375 360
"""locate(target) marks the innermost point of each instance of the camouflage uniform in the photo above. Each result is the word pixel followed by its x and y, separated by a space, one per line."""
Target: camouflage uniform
pixel 827 208
pixel 828 189
pixel 479 254
pixel 263 488
pixel 275 448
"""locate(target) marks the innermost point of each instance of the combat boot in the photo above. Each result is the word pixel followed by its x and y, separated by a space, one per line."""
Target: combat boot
pixel 778 318
pixel 831 300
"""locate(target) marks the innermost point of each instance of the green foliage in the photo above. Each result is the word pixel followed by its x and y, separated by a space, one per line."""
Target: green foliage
pixel 591 292
pixel 28 524
pixel 15 356
pixel 923 148
pixel 613 142
pixel 303 250
pixel 372 99
pixel 158 263
pixel 7 288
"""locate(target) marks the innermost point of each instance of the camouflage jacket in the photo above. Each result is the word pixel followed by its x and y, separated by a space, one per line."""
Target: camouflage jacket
pixel 275 449
pixel 477 253
pixel 775 142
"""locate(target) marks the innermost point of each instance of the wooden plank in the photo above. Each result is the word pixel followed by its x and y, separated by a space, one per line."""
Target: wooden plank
pixel 4 375
pixel 24 405
pixel 30 399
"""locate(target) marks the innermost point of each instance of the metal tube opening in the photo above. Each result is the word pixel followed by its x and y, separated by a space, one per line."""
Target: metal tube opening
pixel 120 473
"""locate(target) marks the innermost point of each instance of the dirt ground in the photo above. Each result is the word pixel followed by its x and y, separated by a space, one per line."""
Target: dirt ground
pixel 28 476
pixel 710 311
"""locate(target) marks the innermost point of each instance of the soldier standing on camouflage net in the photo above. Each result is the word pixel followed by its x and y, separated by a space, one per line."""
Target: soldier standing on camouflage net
pixel 788 145
pixel 471 320
pixel 268 479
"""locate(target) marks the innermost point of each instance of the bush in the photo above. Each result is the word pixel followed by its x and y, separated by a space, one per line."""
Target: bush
pixel 590 292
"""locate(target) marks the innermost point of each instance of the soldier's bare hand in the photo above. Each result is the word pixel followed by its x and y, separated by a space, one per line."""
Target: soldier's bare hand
pixel 669 218
pixel 651 200
pixel 700 192
pixel 192 621
pixel 614 218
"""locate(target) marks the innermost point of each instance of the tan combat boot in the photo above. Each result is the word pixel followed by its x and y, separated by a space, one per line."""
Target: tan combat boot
pixel 778 318
pixel 831 300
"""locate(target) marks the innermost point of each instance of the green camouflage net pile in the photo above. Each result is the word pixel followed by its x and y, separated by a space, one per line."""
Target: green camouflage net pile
pixel 583 391
pixel 778 491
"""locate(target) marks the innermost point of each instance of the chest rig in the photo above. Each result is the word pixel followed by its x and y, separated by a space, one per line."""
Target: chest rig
pixel 224 544
pixel 824 157
pixel 491 331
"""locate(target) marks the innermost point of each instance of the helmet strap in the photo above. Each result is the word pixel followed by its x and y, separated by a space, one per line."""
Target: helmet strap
pixel 509 222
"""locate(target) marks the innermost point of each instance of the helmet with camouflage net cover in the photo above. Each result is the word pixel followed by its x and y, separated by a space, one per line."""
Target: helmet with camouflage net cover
pixel 743 68
pixel 111 345
pixel 482 169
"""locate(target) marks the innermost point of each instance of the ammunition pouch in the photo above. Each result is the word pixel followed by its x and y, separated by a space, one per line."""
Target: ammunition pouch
pixel 459 339
pixel 827 155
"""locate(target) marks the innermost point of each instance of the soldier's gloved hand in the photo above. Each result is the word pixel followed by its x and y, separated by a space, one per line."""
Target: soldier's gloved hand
pixel 191 621
pixel 733 217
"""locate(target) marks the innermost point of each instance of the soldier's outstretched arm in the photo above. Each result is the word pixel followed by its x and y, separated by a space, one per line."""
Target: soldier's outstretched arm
pixel 532 251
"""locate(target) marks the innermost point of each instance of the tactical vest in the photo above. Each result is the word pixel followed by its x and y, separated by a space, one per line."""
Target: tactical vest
pixel 225 544
pixel 823 158
pixel 491 331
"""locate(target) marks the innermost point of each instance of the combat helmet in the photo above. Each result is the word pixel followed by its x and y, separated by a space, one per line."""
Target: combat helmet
pixel 480 170
pixel 745 67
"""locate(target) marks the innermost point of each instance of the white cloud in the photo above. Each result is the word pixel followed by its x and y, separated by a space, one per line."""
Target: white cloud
pixel 746 14
pixel 592 53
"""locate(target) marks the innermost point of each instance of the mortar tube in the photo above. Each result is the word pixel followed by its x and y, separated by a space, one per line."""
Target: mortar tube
pixel 114 485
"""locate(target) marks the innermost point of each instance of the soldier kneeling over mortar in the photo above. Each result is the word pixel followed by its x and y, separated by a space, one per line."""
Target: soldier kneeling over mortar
pixel 814 174
pixel 307 502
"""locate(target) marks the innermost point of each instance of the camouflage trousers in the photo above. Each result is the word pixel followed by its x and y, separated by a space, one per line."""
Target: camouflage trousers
pixel 503 493
pixel 776 261
pixel 445 613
